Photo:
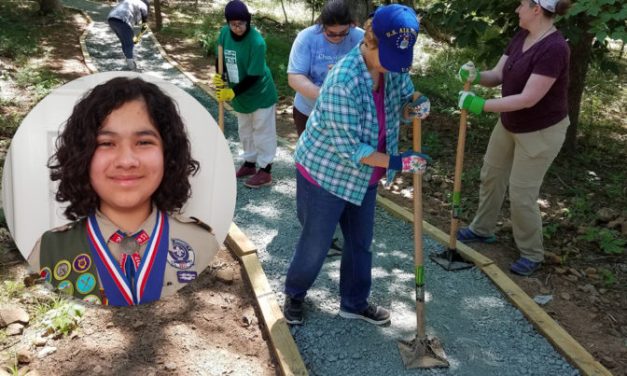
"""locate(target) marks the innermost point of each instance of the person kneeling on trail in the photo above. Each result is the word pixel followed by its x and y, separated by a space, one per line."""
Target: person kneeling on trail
pixel 122 18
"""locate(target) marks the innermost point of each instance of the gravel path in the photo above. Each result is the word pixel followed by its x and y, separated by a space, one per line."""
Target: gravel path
pixel 482 333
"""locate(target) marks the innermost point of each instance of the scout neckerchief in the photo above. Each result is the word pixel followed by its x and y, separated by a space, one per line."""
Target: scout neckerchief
pixel 145 286
pixel 130 260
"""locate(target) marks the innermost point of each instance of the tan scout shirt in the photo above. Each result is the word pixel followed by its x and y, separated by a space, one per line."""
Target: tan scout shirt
pixel 191 247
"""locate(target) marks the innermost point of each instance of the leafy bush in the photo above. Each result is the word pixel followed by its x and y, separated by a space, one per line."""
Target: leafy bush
pixel 608 240
pixel 64 317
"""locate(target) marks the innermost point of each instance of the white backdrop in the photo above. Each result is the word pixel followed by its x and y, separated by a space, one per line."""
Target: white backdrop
pixel 28 194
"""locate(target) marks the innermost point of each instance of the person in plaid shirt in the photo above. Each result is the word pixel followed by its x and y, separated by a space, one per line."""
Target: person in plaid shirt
pixel 351 138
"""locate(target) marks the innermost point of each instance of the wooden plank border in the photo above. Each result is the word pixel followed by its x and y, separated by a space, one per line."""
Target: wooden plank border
pixel 555 334
pixel 281 340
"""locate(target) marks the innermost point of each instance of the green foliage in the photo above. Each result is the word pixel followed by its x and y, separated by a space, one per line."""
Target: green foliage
pixel 63 317
pixel 280 45
pixel 11 289
pixel 608 240
pixel 40 81
pixel 18 37
pixel 549 230
pixel 609 279
pixel 604 19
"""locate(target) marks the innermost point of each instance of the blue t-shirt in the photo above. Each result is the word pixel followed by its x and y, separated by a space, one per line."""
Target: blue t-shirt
pixel 313 55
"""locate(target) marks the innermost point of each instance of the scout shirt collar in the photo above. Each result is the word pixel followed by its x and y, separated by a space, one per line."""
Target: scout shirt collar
pixel 109 229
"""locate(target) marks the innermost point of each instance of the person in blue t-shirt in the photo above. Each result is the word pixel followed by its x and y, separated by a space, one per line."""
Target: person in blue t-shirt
pixel 314 52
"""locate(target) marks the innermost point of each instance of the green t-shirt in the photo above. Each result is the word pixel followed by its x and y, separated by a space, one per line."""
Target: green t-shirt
pixel 248 58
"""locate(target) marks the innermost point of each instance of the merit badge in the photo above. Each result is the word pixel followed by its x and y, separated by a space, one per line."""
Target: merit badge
pixel 93 299
pixel 62 269
pixel 81 263
pixel 85 283
pixel 46 274
pixel 186 277
pixel 66 287
pixel 181 256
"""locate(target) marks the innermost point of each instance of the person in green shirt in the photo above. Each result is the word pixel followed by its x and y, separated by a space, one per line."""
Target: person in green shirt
pixel 247 83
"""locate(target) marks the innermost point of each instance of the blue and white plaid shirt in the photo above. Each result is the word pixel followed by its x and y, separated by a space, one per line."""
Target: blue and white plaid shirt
pixel 343 127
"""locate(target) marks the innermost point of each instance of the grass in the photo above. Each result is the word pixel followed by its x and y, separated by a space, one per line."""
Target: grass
pixel 18 37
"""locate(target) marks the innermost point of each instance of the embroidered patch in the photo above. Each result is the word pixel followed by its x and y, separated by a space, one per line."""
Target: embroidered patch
pixel 81 263
pixel 62 269
pixel 85 283
pixel 181 256
pixel 46 274
pixel 93 299
pixel 66 287
pixel 186 276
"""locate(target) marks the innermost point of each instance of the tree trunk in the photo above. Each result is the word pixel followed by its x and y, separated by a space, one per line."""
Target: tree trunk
pixel 361 9
pixel 284 12
pixel 158 17
pixel 49 6
pixel 580 56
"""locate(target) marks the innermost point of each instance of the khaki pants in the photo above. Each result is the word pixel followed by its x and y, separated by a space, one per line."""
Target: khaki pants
pixel 519 160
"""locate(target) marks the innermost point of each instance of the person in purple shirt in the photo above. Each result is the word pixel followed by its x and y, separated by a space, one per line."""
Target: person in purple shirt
pixel 533 72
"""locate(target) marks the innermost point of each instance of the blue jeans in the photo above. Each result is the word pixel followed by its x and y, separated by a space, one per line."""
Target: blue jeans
pixel 125 34
pixel 319 213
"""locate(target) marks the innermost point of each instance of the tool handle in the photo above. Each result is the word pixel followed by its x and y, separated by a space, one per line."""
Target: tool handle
pixel 459 165
pixel 220 104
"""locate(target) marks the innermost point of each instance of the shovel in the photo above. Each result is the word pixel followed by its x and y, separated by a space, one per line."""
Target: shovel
pixel 450 259
pixel 423 351
pixel 220 104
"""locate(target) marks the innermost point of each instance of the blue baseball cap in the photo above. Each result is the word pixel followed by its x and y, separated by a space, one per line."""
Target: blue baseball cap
pixel 396 28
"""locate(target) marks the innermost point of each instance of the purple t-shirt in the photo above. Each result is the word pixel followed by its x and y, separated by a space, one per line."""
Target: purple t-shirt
pixel 549 57
pixel 379 103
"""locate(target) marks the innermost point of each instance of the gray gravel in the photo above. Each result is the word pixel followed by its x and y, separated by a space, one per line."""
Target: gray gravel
pixel 482 333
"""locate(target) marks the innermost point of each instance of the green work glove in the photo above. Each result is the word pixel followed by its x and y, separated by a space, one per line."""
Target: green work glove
pixel 225 94
pixel 469 101
pixel 468 73
pixel 218 81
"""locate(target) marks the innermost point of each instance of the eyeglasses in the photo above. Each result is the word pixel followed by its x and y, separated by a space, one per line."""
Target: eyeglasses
pixel 341 34
pixel 237 24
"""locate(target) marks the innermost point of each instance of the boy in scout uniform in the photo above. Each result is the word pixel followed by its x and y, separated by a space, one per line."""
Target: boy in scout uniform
pixel 123 164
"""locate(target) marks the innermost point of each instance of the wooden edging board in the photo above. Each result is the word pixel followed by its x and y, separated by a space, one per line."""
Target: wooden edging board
pixel 564 342
pixel 283 344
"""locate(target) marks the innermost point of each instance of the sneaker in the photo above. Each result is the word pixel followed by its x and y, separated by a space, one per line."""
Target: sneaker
pixel 372 314
pixel 466 235
pixel 245 171
pixel 293 311
pixel 525 267
pixel 260 179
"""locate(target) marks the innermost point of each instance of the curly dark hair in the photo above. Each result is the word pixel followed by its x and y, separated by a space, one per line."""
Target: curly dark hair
pixel 77 143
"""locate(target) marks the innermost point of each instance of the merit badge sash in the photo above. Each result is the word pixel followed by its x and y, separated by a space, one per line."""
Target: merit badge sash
pixel 145 286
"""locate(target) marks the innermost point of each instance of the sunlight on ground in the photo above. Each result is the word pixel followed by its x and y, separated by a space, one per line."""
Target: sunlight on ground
pixel 483 302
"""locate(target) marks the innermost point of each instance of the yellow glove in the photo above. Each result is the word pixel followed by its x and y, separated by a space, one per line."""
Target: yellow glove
pixel 225 95
pixel 218 81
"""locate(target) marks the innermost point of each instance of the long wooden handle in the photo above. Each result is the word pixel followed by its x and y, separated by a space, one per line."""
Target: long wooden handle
pixel 457 186
pixel 418 252
pixel 220 104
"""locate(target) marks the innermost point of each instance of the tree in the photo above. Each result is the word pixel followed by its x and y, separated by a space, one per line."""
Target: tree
pixel 487 26
pixel 158 16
